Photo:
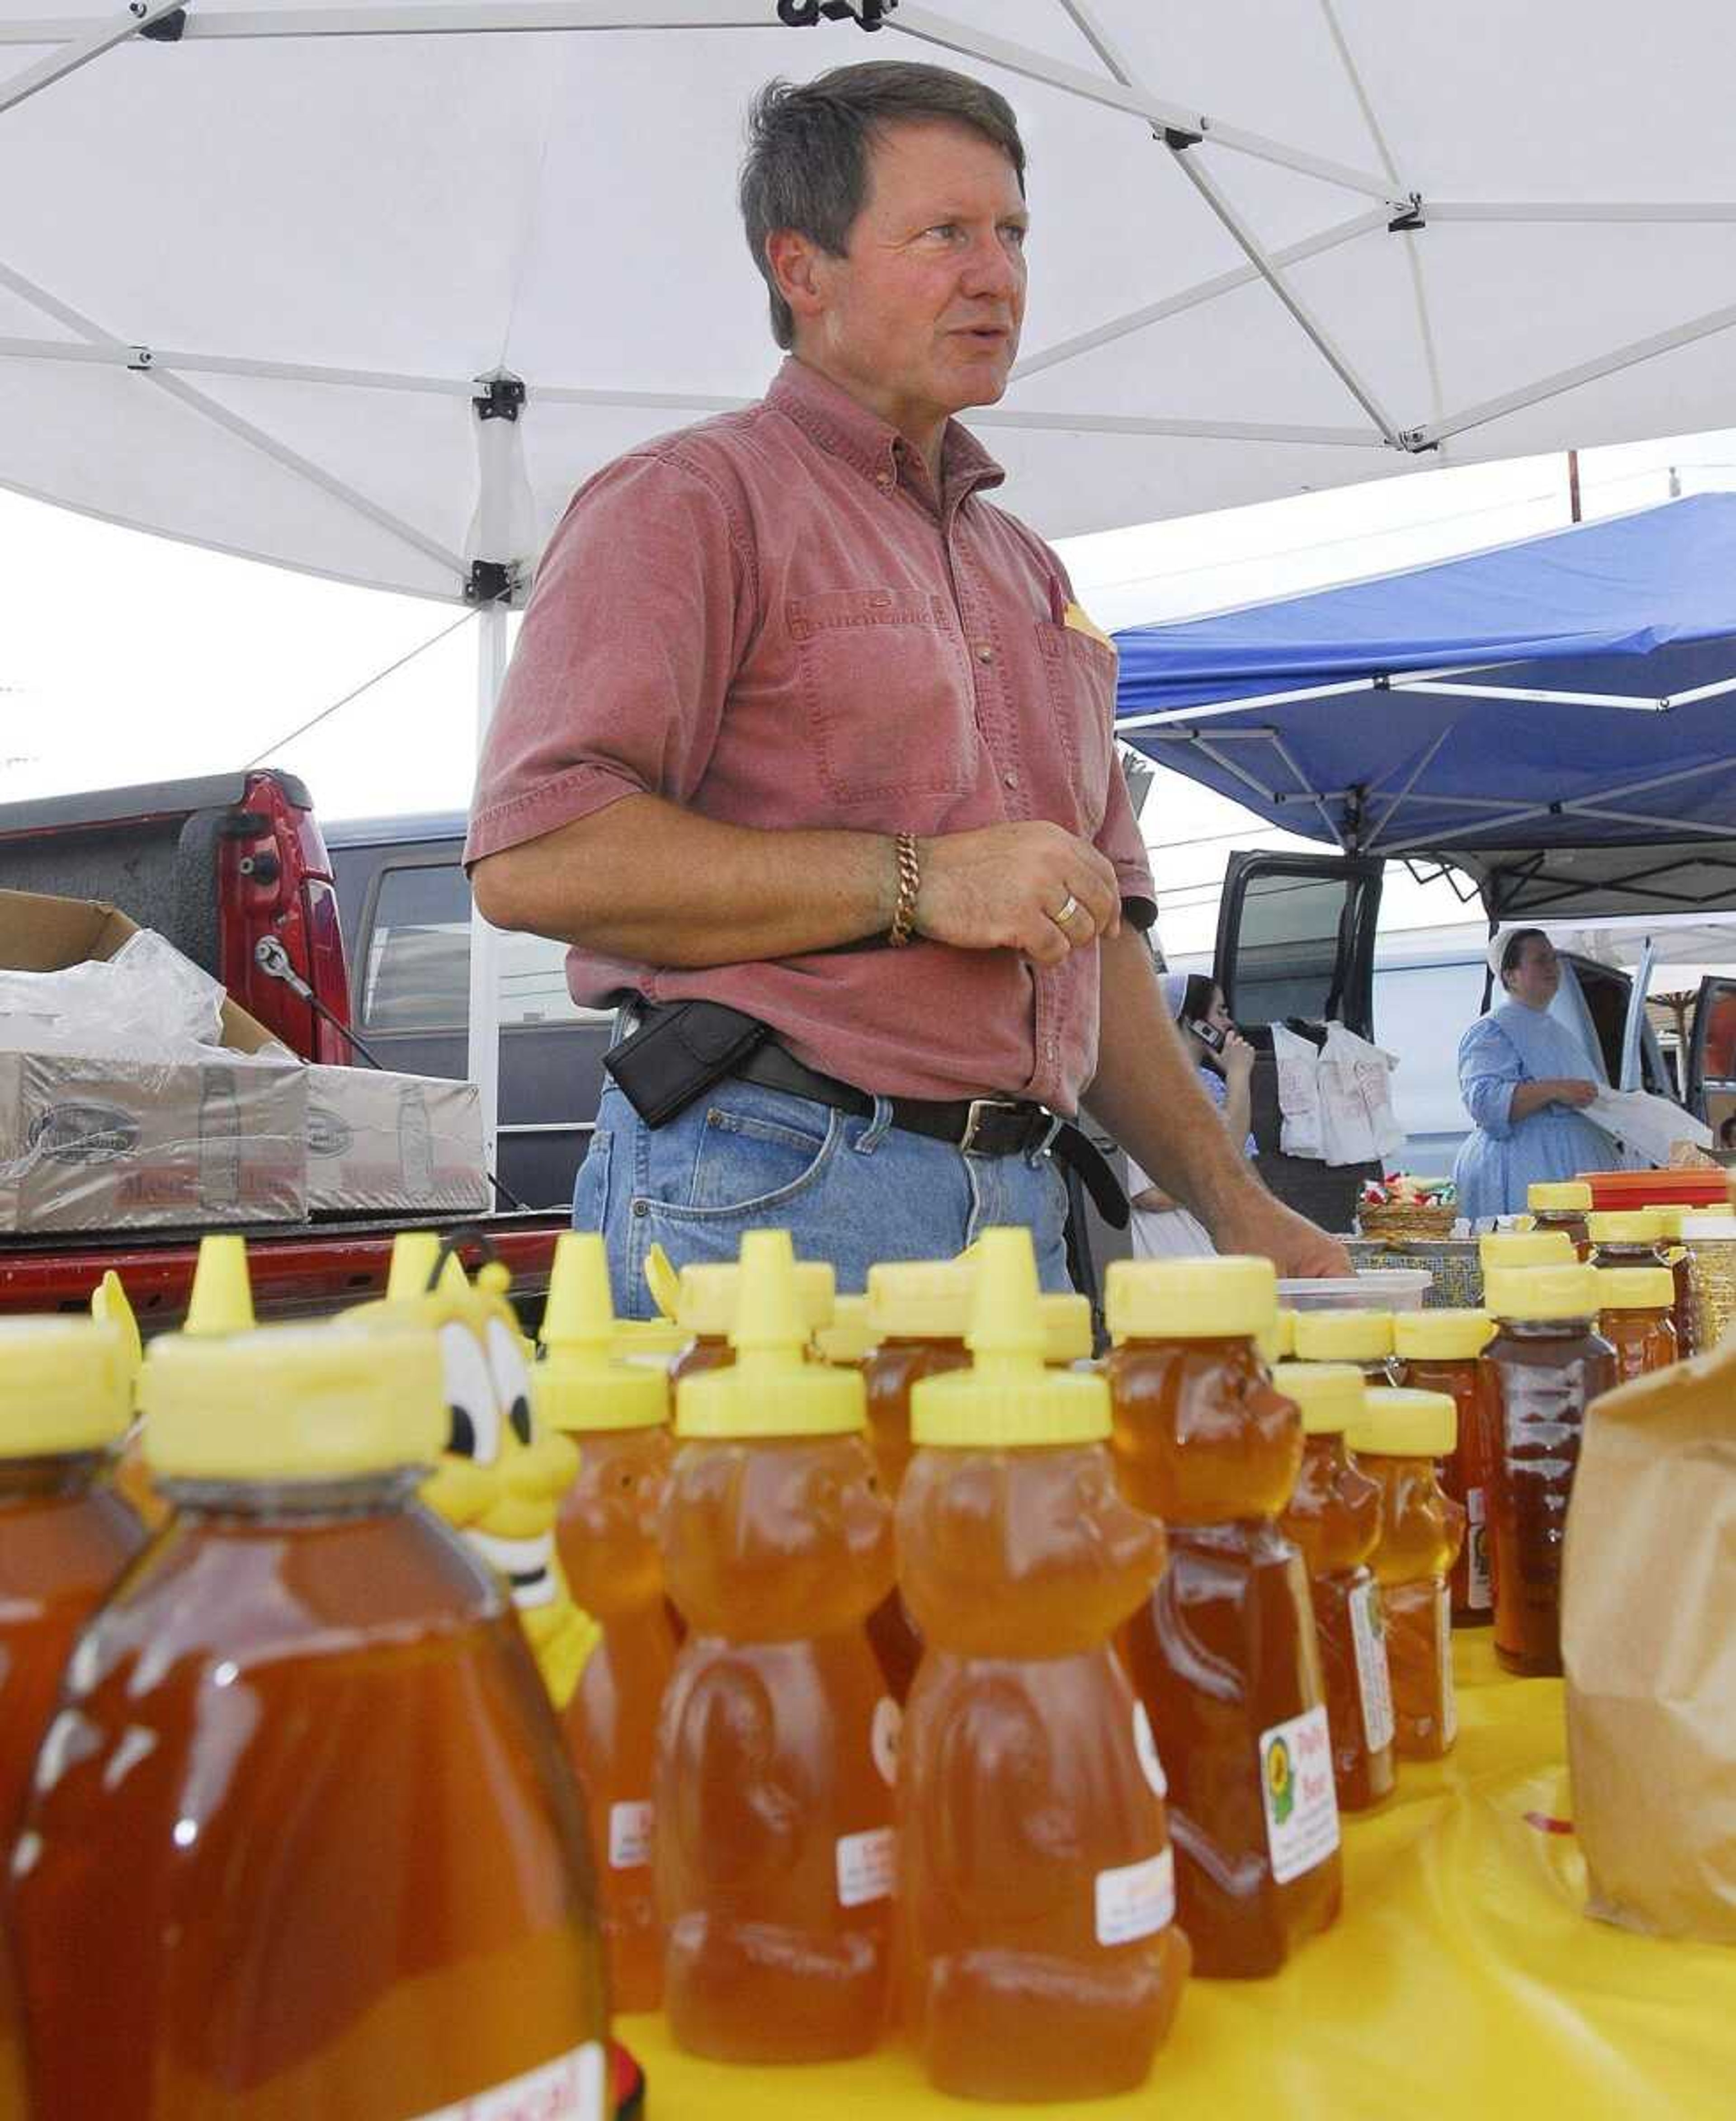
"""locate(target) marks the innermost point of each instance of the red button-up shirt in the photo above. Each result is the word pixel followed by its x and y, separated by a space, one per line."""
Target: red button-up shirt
pixel 773 619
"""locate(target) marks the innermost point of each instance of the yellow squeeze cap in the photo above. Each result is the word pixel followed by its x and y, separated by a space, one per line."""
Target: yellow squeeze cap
pixel 1628 1226
pixel 414 1256
pixel 707 1293
pixel 1233 1297
pixel 1343 1336
pixel 1066 1330
pixel 1284 1337
pixel 1406 1425
pixel 1007 1399
pixel 1669 1218
pixel 645 1340
pixel 65 1384
pixel 922 1299
pixel 1525 1248
pixel 771 1389
pixel 578 1384
pixel 109 1306
pixel 1568 1196
pixel 1635 1288
pixel 1441 1337
pixel 662 1280
pixel 221 1300
pixel 292 1403
pixel 1329 1394
pixel 1542 1294
pixel 849 1338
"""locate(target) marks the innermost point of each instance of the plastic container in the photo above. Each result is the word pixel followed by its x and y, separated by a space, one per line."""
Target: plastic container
pixel 1224 1654
pixel 1068 1337
pixel 1549 1362
pixel 704 1306
pixel 849 1341
pixel 1334 1518
pixel 66 1534
pixel 1681 1267
pixel 1646 1189
pixel 1711 1240
pixel 1635 1308
pixel 1380 1289
pixel 606 1534
pixel 1036 1881
pixel 1527 1248
pixel 775 1749
pixel 1284 1337
pixel 1630 1237
pixel 1439 1351
pixel 1563 1206
pixel 295 1750
pixel 1362 1338
pixel 1399 1438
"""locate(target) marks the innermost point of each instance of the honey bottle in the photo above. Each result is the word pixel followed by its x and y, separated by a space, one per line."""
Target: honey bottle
pixel 1563 1206
pixel 1440 1351
pixel 1636 1315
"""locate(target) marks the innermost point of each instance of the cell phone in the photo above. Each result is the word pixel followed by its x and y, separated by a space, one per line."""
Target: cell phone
pixel 1208 1034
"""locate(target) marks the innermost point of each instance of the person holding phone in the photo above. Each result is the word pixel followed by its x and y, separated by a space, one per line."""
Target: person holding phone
pixel 1161 1228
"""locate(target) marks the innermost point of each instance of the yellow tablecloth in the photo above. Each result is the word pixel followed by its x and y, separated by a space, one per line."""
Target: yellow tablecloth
pixel 1463 1980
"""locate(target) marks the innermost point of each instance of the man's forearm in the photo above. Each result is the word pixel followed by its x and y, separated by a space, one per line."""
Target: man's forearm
pixel 646 880
pixel 1147 1094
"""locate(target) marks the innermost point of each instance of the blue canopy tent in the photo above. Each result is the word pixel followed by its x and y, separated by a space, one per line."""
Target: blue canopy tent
pixel 1555 718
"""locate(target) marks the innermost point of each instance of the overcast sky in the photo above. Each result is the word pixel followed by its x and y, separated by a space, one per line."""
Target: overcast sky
pixel 126 658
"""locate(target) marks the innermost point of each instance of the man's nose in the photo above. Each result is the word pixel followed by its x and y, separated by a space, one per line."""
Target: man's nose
pixel 992 269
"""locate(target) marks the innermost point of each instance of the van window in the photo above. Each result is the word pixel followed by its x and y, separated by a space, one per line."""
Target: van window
pixel 417 975
pixel 1286 946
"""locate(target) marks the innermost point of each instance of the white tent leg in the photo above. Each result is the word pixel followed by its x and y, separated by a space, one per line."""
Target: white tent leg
pixel 484 1063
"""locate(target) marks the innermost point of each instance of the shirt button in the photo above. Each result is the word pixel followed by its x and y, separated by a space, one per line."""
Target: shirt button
pixel 985 654
pixel 1010 779
pixel 882 480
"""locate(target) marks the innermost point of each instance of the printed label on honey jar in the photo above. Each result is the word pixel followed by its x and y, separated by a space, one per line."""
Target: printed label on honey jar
pixel 1301 1805
pixel 569 2090
pixel 1137 1900
pixel 1479 1584
pixel 864 1866
pixel 1374 1680
pixel 1444 1641
pixel 629 1836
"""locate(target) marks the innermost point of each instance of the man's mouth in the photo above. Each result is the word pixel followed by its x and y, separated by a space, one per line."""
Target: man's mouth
pixel 525 1563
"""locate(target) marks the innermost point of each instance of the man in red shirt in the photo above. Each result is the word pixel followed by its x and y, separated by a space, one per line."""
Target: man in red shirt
pixel 800 727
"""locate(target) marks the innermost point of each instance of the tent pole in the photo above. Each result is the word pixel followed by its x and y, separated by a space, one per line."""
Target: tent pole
pixel 1573 486
pixel 482 1065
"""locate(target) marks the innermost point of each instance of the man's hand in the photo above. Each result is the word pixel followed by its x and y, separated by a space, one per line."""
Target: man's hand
pixel 1007 887
pixel 1299 1250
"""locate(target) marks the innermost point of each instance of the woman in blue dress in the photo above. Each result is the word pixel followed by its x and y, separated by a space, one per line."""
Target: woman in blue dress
pixel 1523 1075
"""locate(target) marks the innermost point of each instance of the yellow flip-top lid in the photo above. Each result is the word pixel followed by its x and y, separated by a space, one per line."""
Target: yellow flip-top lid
pixel 415 1255
pixel 1635 1288
pixel 1007 1398
pixel 1406 1425
pixel 1525 1248
pixel 1283 1342
pixel 1628 1226
pixel 1562 1196
pixel 849 1338
pixel 109 1306
pixel 579 1385
pixel 707 1295
pixel 1343 1336
pixel 1540 1294
pixel 1441 1337
pixel 1066 1330
pixel 1233 1297
pixel 1668 1213
pixel 292 1403
pixel 1329 1394
pixel 921 1300
pixel 221 1298
pixel 771 1389
pixel 65 1384
pixel 644 1339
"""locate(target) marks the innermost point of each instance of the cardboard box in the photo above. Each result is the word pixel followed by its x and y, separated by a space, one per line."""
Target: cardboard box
pixel 92 1144
pixel 382 1141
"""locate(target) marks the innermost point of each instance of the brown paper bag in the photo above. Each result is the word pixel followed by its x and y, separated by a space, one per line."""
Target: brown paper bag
pixel 1649 1645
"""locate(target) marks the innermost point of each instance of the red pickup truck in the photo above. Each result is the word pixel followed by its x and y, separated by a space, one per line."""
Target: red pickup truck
pixel 233 869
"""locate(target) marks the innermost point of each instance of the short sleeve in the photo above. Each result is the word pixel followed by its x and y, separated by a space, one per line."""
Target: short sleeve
pixel 641 610
pixel 1489 1071
pixel 1120 841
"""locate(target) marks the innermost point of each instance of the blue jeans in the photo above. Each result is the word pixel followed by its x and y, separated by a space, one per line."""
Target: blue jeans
pixel 850 1188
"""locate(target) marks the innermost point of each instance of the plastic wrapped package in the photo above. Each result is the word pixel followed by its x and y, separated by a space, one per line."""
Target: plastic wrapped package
pixel 147 1002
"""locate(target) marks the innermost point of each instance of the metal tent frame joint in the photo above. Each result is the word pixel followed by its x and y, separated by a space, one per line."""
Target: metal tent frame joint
pixel 870 15
pixel 1178 140
pixel 165 29
pixel 1412 218
pixel 500 397
pixel 492 582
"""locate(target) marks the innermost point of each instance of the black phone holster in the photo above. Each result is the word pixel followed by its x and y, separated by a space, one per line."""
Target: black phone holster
pixel 678 1054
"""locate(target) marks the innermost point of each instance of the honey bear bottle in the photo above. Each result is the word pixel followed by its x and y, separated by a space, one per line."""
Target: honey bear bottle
pixel 776 1749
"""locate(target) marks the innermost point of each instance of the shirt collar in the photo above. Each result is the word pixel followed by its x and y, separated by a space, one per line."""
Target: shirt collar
pixel 832 419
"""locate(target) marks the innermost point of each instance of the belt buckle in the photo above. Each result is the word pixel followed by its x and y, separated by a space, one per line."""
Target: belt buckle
pixel 980 1107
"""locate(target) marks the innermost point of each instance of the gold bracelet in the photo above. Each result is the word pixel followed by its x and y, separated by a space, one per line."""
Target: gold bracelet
pixel 904 927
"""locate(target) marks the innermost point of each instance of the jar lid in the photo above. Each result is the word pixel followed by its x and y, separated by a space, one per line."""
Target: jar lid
pixel 1635 1287
pixel 293 1403
pixel 580 1384
pixel 1066 1330
pixel 1540 1295
pixel 1443 1336
pixel 771 1389
pixel 1229 1299
pixel 920 1300
pixel 1570 1197
pixel 709 1292
pixel 1343 1336
pixel 1668 1213
pixel 1284 1336
pixel 1406 1425
pixel 1525 1248
pixel 1329 1394
pixel 849 1338
pixel 1630 1226
pixel 66 1384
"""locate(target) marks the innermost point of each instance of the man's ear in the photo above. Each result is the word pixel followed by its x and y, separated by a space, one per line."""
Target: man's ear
pixel 800 270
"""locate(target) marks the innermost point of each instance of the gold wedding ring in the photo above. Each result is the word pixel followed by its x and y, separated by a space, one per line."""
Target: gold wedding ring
pixel 1066 912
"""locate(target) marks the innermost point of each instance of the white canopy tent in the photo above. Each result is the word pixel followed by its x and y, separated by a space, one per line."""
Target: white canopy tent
pixel 367 289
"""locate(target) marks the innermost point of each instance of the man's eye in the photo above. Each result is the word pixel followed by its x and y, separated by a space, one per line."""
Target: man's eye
pixel 1016 234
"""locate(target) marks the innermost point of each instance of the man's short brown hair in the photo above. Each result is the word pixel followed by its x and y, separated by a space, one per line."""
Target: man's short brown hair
pixel 808 142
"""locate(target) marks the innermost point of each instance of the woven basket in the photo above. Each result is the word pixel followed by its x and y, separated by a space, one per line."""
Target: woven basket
pixel 1401 1219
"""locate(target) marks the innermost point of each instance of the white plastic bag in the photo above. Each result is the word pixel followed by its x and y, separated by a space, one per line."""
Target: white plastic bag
pixel 1298 1093
pixel 1357 1122
pixel 1648 1127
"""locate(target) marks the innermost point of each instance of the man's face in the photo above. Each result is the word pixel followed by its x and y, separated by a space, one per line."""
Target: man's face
pixel 921 317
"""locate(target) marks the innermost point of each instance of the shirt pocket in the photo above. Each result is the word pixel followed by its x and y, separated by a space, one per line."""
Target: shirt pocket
pixel 887 685
pixel 1081 675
